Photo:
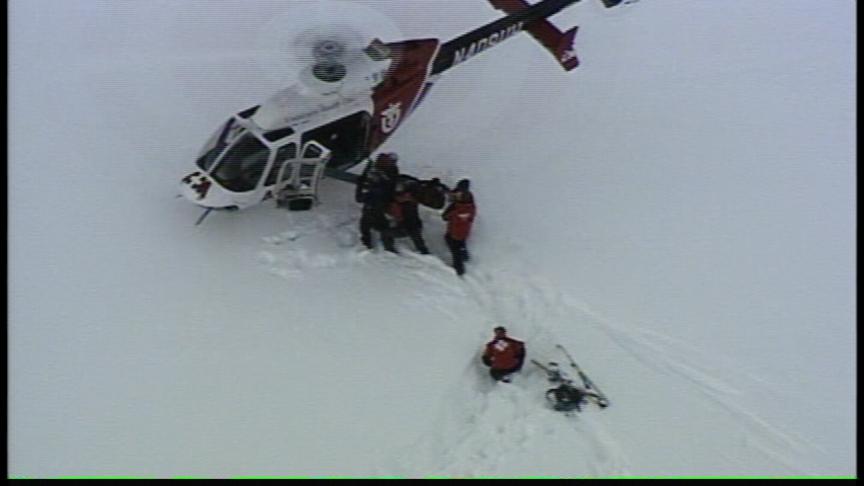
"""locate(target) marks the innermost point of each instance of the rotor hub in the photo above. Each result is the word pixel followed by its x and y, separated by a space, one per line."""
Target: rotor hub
pixel 328 50
pixel 329 72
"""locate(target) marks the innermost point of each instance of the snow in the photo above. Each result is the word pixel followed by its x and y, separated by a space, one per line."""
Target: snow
pixel 679 212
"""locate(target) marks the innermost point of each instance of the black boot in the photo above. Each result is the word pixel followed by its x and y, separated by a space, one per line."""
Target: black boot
pixel 458 266
pixel 388 241
pixel 419 244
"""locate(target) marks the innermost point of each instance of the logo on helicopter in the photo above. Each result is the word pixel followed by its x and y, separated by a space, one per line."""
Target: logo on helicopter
pixel 477 47
pixel 390 117
pixel 201 186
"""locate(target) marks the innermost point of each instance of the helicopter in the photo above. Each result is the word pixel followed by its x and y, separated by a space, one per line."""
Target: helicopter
pixel 346 105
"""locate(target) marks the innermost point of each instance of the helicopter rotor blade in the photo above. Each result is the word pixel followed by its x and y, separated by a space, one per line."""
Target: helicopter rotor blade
pixel 327 33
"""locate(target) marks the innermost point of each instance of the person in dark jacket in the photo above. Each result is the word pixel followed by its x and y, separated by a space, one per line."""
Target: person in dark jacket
pixel 404 210
pixel 375 189
pixel 460 216
pixel 503 355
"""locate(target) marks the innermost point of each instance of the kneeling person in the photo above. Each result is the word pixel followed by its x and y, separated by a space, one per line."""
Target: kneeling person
pixel 504 355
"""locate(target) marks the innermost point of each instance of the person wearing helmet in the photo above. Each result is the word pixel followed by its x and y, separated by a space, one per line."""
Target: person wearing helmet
pixel 375 189
pixel 459 216
pixel 378 180
pixel 503 355
pixel 387 163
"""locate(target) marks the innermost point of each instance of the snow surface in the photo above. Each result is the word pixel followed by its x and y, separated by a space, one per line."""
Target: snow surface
pixel 679 212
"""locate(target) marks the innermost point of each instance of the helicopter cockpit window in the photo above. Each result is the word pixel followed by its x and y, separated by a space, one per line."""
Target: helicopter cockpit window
pixel 312 152
pixel 242 166
pixel 287 152
pixel 214 146
pixel 206 160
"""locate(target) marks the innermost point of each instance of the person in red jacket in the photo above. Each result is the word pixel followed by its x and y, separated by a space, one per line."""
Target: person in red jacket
pixel 504 355
pixel 459 216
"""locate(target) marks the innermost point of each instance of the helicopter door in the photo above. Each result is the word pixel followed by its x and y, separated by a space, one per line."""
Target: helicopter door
pixel 298 186
pixel 346 138
pixel 277 175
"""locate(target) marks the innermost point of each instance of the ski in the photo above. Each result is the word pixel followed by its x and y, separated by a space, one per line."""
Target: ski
pixel 602 401
pixel 542 366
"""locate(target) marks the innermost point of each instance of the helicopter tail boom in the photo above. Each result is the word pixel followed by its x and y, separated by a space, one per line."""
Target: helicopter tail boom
pixel 520 16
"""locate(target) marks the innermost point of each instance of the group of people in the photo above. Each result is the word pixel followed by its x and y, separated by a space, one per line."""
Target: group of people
pixel 390 208
pixel 505 356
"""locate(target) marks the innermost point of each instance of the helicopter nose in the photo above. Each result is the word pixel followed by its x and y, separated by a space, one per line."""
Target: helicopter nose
pixel 195 186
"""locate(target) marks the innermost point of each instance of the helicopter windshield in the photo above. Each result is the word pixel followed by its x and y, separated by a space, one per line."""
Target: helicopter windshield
pixel 243 165
pixel 214 146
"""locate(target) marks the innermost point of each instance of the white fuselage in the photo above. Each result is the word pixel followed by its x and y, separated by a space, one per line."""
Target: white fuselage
pixel 276 125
